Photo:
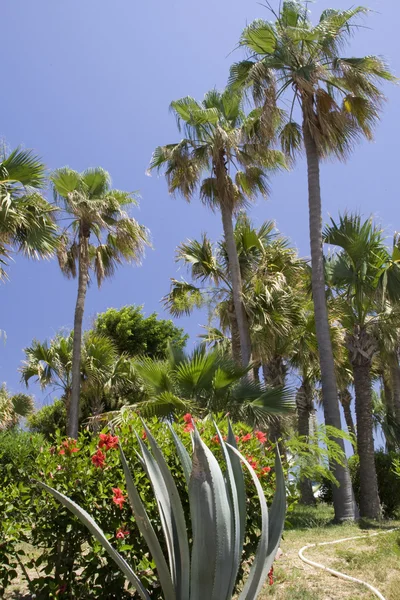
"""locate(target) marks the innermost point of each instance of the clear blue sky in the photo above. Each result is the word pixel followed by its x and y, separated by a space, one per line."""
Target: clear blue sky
pixel 88 83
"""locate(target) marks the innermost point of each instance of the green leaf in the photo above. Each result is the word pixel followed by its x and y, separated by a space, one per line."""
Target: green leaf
pixel 147 530
pixel 95 530
pixel 179 528
pixel 260 37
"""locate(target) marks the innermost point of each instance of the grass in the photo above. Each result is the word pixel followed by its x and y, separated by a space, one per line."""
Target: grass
pixel 375 560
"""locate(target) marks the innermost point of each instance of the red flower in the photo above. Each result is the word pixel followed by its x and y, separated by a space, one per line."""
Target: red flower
pixel 118 498
pixel 107 441
pixel 271 576
pixel 252 462
pixel 188 428
pixel 144 435
pixel 68 447
pixel 262 438
pixel 98 459
pixel 121 533
pixel 237 438
pixel 247 437
pixel 215 439
pixel 187 418
pixel 265 470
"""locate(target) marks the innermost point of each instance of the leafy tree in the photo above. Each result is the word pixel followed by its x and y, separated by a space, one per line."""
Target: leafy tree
pixel 221 159
pixel 13 408
pixel 338 100
pixel 26 218
pixel 134 334
pixel 206 382
pixel 49 419
pixel 366 277
pixel 97 212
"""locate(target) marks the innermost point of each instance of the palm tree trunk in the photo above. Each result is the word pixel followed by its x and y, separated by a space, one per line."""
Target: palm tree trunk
pixel 274 373
pixel 345 400
pixel 236 280
pixel 235 338
pixel 395 377
pixel 369 496
pixel 73 422
pixel 304 403
pixel 343 497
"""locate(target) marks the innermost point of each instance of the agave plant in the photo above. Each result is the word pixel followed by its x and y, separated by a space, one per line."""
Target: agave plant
pixel 209 569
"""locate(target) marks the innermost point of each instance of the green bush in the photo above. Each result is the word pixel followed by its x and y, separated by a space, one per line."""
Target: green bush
pixel 69 561
pixel 49 419
pixel 388 482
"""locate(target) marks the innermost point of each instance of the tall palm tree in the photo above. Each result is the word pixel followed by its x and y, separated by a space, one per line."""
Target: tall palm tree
pixel 97 212
pixel 366 277
pixel 220 159
pixel 13 408
pixel 26 218
pixel 337 100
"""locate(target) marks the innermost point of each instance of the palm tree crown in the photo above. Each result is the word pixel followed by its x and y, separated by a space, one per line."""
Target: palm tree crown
pixel 26 218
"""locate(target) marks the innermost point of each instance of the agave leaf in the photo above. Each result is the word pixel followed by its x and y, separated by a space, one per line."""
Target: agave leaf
pixel 240 486
pixel 183 454
pixel 95 530
pixel 179 528
pixel 258 571
pixel 234 501
pixel 163 502
pixel 212 526
pixel 147 530
pixel 277 513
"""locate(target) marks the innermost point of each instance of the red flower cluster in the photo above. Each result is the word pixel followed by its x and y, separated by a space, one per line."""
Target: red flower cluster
pixel 271 576
pixel 98 459
pixel 118 498
pixel 252 462
pixel 265 470
pixel 189 423
pixel 261 436
pixel 121 533
pixel 247 437
pixel 108 441
pixel 68 447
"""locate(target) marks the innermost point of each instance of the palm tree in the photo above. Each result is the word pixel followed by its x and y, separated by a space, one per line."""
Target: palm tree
pixel 338 100
pixel 94 211
pixel 13 408
pixel 26 218
pixel 366 277
pixel 106 377
pixel 221 160
pixel 204 383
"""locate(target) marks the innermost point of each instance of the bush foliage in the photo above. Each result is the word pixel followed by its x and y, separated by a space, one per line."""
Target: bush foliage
pixel 68 561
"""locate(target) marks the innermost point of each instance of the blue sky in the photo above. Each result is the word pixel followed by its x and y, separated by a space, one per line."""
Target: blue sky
pixel 88 83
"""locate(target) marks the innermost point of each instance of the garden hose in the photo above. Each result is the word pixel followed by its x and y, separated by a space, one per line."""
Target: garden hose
pixel 337 573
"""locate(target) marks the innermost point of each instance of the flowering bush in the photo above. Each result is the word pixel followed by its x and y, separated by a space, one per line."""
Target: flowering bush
pixel 71 563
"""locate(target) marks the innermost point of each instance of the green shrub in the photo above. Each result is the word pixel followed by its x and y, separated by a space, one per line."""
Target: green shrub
pixel 49 419
pixel 388 482
pixel 69 561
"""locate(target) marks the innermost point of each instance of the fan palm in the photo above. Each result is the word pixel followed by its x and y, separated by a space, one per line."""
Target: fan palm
pixel 105 375
pixel 26 218
pixel 13 408
pixel 203 383
pixel 220 159
pixel 95 212
pixel 366 277
pixel 338 100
